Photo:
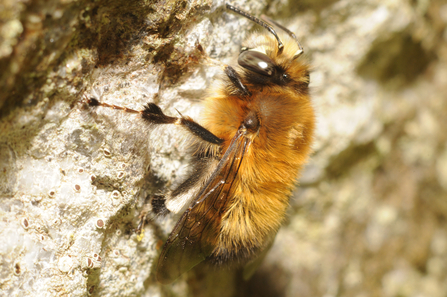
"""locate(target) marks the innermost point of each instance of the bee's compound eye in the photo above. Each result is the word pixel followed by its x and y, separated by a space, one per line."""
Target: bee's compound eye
pixel 257 62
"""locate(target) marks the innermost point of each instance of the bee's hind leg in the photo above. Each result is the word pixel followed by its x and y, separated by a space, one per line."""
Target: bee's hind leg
pixel 153 114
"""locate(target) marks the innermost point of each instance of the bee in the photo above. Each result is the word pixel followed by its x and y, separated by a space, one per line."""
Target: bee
pixel 254 138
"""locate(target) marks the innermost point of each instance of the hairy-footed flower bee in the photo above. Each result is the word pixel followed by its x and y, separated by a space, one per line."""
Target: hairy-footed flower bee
pixel 253 140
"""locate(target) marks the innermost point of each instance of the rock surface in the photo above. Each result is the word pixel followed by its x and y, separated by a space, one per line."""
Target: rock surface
pixel 367 220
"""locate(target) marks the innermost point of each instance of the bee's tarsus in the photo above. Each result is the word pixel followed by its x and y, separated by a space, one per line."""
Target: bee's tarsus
pixel 143 216
pixel 94 102
pixel 236 80
pixel 140 224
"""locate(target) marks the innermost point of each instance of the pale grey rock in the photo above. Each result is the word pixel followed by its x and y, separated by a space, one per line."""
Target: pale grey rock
pixel 367 220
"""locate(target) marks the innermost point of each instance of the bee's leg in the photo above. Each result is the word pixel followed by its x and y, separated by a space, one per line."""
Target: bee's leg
pixel 232 75
pixel 143 216
pixel 176 200
pixel 229 71
pixel 158 203
pixel 153 204
pixel 154 115
pixel 236 80
pixel 95 102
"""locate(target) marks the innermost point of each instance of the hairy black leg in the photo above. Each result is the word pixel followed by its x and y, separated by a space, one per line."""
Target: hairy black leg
pixel 158 203
pixel 229 71
pixel 236 80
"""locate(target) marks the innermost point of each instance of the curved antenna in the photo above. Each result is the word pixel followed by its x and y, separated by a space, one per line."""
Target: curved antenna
pixel 291 34
pixel 259 22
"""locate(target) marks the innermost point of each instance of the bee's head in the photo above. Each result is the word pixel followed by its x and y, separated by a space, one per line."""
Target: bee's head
pixel 265 63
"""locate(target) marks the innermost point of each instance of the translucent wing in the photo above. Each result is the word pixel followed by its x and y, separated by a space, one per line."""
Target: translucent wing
pixel 195 234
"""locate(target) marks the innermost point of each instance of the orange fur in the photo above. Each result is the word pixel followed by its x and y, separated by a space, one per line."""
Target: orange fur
pixel 277 153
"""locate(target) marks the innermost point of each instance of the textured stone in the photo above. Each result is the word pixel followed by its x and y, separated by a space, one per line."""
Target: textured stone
pixel 367 220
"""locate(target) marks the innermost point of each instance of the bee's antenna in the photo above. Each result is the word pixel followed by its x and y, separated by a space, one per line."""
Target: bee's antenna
pixel 259 22
pixel 291 34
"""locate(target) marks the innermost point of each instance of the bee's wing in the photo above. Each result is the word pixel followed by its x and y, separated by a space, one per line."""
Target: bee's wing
pixel 195 234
